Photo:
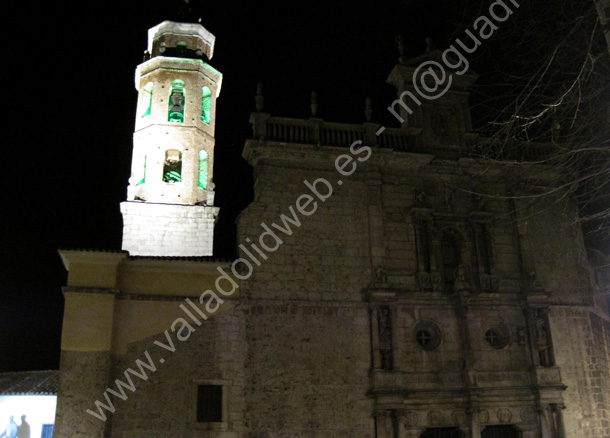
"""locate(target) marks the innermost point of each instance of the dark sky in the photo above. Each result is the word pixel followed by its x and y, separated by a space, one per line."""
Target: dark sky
pixel 70 110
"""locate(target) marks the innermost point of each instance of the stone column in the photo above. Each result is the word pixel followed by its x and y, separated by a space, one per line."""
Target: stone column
pixel 545 429
pixel 531 336
pixel 557 412
pixel 376 354
pixel 413 433
pixel 384 423
pixel 406 420
pixel 475 424
pixel 375 208
pixel 397 340
pixel 461 311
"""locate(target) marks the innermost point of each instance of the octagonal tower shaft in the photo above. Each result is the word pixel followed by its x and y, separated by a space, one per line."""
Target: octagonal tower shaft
pixel 169 209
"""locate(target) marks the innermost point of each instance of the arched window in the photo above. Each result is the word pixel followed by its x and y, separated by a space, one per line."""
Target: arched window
pixel 206 105
pixel 450 252
pixel 176 102
pixel 203 169
pixel 143 180
pixel 172 166
pixel 147 99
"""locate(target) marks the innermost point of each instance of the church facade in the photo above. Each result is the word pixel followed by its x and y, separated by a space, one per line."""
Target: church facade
pixel 389 283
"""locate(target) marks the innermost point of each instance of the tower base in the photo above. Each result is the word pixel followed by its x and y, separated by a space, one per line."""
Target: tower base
pixel 168 230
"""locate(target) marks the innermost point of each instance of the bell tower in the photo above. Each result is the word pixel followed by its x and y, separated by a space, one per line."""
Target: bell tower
pixel 170 198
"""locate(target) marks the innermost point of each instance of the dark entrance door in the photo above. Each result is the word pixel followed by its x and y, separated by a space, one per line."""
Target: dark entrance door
pixel 443 432
pixel 502 431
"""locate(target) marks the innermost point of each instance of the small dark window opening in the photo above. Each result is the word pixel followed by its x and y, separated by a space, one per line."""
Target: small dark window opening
pixel 450 251
pixel 181 49
pixel 172 166
pixel 209 404
pixel 485 249
pixel 425 247
pixel 176 102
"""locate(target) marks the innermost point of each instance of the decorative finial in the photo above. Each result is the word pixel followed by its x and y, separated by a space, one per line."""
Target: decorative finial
pixel 146 56
pixel 314 104
pixel 401 48
pixel 259 98
pixel 430 45
pixel 368 109
pixel 185 13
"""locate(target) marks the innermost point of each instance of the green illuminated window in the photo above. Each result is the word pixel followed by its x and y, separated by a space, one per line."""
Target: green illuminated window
pixel 172 166
pixel 143 180
pixel 176 102
pixel 181 49
pixel 206 105
pixel 148 92
pixel 203 169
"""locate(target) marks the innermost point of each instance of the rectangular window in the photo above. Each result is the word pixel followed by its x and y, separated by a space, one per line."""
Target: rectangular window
pixel 209 403
pixel 47 431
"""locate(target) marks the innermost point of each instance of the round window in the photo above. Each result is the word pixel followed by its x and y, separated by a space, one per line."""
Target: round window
pixel 498 336
pixel 427 335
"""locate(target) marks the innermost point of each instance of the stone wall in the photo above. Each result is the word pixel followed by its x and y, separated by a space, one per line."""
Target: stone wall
pixel 165 405
pixel 307 369
pixel 83 377
pixel 168 230
pixel 326 257
pixel 582 350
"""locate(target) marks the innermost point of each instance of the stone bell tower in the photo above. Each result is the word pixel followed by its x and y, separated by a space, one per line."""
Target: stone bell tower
pixel 170 198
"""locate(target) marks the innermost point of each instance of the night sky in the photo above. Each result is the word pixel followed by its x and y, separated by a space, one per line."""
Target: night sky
pixel 70 110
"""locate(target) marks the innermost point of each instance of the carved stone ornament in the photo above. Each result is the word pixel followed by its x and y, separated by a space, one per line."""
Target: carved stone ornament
pixel 528 414
pixel 409 418
pixel 489 283
pixel 532 282
pixel 424 281
pixel 437 281
pixel 459 418
pixel 504 415
pixel 380 275
pixel 435 418
pixel 420 199
pixel 484 417
pixel 427 281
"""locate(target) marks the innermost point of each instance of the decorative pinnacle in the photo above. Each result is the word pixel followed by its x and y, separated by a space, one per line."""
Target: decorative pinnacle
pixel 314 104
pixel 368 109
pixel 259 98
pixel 401 48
